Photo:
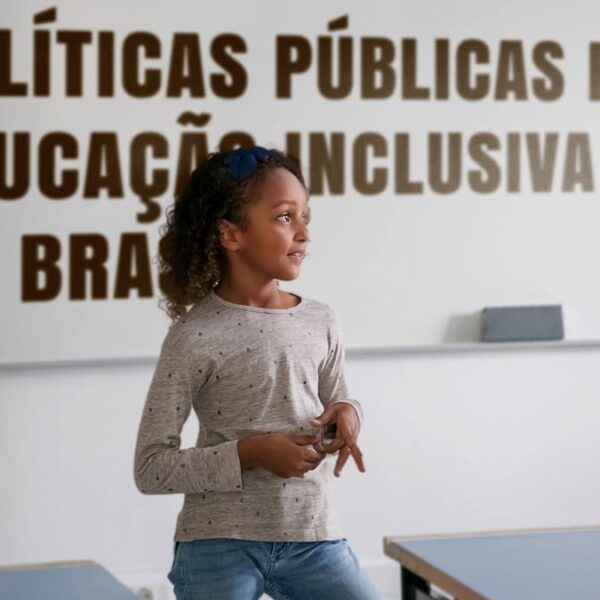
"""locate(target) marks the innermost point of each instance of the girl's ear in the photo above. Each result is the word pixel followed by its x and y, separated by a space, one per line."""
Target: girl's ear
pixel 228 235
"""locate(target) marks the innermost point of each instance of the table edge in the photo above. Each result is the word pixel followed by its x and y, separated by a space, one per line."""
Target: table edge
pixel 440 578
pixel 493 532
pixel 432 574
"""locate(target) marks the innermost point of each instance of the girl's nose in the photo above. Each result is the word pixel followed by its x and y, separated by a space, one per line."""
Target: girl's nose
pixel 303 232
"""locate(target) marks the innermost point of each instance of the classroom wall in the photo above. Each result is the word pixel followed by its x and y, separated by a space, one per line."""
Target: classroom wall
pixel 465 161
pixel 453 441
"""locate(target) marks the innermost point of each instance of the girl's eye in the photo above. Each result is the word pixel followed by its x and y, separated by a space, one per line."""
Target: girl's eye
pixel 287 214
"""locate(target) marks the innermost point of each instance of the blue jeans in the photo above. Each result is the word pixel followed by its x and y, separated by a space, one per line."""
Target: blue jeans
pixel 232 569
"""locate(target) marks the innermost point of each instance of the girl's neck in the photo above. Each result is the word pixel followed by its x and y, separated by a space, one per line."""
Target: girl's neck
pixel 268 296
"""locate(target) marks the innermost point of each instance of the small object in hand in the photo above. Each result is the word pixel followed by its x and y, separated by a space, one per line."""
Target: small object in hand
pixel 326 436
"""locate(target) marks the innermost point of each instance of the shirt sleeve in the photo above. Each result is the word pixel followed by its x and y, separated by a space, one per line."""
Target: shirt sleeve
pixel 332 376
pixel 160 465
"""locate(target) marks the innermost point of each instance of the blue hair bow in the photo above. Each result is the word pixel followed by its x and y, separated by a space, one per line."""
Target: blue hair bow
pixel 242 162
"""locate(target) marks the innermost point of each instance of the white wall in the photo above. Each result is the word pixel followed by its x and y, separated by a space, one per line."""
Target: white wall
pixel 462 441
pixel 438 257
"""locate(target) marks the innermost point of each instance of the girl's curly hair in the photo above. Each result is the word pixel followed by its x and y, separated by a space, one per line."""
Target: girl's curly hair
pixel 191 259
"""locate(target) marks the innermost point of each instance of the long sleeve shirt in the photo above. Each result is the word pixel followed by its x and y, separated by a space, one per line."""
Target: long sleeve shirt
pixel 243 370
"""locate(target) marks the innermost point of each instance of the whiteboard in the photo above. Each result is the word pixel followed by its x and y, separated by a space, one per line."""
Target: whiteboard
pixel 406 263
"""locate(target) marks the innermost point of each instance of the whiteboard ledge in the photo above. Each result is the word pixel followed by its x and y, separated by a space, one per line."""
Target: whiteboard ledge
pixel 473 347
pixel 126 361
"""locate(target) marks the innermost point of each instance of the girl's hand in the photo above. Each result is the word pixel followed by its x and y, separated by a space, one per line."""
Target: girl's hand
pixel 285 454
pixel 348 427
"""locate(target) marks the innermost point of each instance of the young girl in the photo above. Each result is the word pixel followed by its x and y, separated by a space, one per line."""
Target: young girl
pixel 263 369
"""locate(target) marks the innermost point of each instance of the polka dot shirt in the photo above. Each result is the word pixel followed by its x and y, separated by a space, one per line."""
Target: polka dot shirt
pixel 243 370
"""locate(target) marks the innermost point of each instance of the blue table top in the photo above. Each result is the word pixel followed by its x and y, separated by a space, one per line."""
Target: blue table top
pixel 519 566
pixel 65 582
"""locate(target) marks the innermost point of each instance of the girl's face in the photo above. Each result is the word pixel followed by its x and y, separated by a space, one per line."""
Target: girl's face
pixel 277 227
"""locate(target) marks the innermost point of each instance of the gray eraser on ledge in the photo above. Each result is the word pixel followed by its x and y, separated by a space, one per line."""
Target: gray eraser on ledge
pixel 522 323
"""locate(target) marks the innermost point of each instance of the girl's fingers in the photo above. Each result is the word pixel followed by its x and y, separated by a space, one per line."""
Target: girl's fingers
pixel 343 438
pixel 311 466
pixel 341 461
pixel 358 458
pixel 304 440
pixel 353 448
pixel 334 446
pixel 346 444
pixel 314 457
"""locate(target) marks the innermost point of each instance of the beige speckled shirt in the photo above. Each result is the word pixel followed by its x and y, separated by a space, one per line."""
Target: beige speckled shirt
pixel 243 370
